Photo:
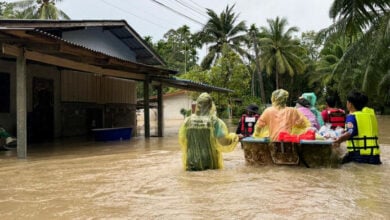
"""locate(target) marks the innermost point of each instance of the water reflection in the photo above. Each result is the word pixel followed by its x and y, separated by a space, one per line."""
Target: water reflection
pixel 141 179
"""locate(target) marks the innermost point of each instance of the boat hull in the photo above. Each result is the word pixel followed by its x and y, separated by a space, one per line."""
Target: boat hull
pixel 308 153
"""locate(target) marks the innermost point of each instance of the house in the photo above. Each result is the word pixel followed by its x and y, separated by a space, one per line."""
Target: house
pixel 175 102
pixel 62 78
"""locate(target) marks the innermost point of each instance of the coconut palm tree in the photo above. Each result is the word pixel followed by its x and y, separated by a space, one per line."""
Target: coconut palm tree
pixel 366 26
pixel 39 9
pixel 324 74
pixel 254 36
pixel 354 16
pixel 279 52
pixel 219 31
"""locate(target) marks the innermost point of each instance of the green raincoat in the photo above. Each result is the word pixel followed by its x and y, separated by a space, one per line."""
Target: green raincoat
pixel 203 137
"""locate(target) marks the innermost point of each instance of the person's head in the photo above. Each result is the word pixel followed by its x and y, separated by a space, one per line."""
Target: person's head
pixel 357 100
pixel 252 109
pixel 331 101
pixel 279 98
pixel 303 102
pixel 311 97
pixel 204 105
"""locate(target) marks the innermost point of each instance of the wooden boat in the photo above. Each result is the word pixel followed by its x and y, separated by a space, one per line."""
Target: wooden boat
pixel 309 153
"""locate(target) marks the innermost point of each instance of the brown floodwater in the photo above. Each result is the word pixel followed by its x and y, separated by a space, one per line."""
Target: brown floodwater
pixel 144 179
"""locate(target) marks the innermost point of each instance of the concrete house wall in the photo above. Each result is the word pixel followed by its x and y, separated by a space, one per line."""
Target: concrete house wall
pixel 114 102
pixel 174 102
pixel 75 114
pixel 33 71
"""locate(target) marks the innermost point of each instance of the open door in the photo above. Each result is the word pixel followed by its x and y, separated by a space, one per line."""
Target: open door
pixel 42 117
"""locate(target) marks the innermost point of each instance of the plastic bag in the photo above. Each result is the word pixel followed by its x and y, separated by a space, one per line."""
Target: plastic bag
pixel 328 133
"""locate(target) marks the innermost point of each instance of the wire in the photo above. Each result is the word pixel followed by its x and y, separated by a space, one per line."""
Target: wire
pixel 128 12
pixel 177 12
pixel 191 8
pixel 201 7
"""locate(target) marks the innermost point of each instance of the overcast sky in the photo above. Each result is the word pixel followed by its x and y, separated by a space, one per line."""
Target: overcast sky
pixel 148 17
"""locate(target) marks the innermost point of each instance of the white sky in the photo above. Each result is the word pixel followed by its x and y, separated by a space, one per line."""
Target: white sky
pixel 149 18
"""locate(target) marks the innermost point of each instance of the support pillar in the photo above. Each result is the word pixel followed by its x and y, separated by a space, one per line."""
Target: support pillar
pixel 160 121
pixel 21 104
pixel 146 107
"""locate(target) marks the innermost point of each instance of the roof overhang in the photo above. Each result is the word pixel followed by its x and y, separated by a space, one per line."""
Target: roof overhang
pixel 40 46
pixel 189 85
pixel 119 28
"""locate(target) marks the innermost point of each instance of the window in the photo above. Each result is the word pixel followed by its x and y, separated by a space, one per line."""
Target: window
pixel 4 93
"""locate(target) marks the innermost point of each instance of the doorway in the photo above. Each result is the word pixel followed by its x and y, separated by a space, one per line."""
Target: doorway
pixel 43 110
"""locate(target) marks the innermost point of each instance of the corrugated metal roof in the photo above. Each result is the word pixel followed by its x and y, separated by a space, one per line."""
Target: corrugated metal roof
pixel 34 36
pixel 120 28
pixel 189 84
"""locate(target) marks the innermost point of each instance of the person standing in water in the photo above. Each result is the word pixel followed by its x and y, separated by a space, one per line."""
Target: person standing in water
pixel 246 125
pixel 361 131
pixel 203 137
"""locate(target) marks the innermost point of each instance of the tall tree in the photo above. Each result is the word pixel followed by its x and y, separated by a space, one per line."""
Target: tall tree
pixel 39 9
pixel 280 53
pixel 366 26
pixel 330 57
pixel 228 72
pixel 219 31
pixel 254 36
pixel 354 16
pixel 7 10
pixel 178 49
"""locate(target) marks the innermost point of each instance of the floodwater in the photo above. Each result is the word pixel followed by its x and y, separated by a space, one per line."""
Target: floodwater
pixel 144 179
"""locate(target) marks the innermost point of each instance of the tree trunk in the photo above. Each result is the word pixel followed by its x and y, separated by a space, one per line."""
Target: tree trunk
pixel 258 70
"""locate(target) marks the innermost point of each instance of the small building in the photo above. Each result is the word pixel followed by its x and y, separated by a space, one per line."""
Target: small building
pixel 62 78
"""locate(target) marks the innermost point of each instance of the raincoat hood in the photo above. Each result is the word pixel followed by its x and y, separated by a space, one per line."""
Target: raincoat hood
pixel 311 97
pixel 279 98
pixel 204 105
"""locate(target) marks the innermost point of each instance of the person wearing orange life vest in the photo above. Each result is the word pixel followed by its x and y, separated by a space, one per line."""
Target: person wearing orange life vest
pixel 332 115
pixel 361 132
pixel 246 125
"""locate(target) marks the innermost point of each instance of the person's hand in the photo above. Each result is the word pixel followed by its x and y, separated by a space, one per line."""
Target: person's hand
pixel 240 136
pixel 336 143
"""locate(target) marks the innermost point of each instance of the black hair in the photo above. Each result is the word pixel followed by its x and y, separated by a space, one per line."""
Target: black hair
pixel 303 102
pixel 331 101
pixel 357 99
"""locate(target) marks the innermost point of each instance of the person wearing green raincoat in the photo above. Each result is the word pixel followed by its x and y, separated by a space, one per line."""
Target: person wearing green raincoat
pixel 203 137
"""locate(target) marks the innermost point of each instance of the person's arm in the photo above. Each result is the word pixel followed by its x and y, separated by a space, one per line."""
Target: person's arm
pixel 226 141
pixel 344 137
pixel 351 130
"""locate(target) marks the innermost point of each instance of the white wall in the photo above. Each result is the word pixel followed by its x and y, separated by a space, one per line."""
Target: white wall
pixel 174 102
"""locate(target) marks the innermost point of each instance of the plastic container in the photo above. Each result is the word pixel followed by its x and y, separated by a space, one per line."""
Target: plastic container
pixel 112 134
